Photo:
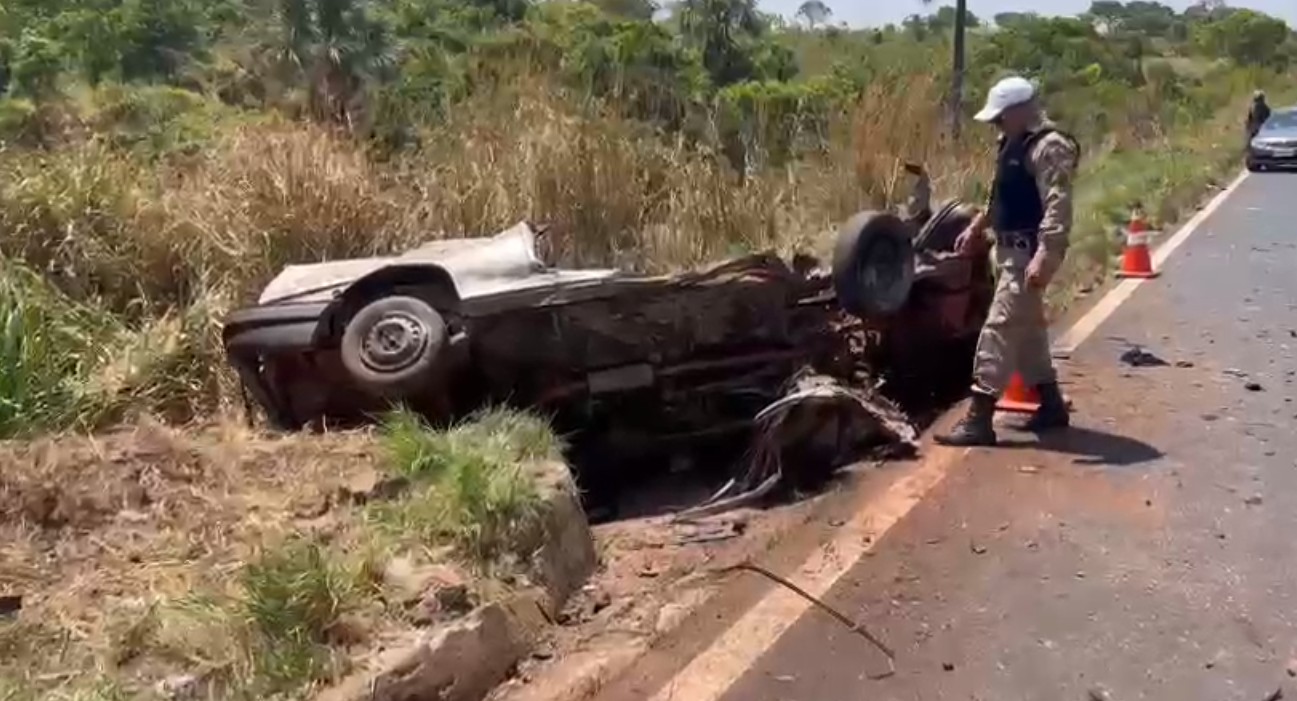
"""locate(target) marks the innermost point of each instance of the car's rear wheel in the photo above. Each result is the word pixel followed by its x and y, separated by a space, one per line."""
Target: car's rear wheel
pixel 873 264
pixel 391 346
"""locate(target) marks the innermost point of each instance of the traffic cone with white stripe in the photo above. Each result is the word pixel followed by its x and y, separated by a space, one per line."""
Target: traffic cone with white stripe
pixel 1135 260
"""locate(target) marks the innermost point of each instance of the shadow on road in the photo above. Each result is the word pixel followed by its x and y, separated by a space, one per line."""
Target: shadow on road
pixel 1092 447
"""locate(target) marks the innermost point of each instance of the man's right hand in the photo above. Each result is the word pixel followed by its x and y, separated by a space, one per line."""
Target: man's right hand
pixel 972 242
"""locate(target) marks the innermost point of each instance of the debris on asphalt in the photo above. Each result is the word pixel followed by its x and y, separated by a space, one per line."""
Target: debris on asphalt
pixel 1235 372
pixel 817 413
pixel 1184 364
pixel 10 605
pixel 1253 387
pixel 947 666
pixel 976 548
pixel 1029 469
pixel 713 532
pixel 1292 668
pixel 1275 695
pixel 1098 694
pixel 1254 500
pixel 853 626
pixel 1137 357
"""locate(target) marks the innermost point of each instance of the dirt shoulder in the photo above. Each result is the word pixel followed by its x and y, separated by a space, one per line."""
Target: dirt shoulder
pixel 222 563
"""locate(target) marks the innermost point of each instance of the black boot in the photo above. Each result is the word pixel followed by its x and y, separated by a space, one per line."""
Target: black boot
pixel 977 428
pixel 1053 414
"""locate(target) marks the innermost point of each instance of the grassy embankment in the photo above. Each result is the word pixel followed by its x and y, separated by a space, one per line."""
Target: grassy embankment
pixel 227 565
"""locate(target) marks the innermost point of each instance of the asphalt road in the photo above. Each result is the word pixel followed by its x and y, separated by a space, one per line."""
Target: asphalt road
pixel 1151 553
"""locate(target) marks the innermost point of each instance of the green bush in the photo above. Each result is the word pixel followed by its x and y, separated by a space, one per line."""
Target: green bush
pixel 155 120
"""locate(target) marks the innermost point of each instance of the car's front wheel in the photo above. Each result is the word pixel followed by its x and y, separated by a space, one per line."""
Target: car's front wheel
pixel 391 346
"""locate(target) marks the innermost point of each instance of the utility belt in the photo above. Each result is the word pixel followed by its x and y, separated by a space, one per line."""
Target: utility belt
pixel 1025 241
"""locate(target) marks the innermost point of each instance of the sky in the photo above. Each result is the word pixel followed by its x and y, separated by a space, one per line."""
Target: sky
pixel 877 12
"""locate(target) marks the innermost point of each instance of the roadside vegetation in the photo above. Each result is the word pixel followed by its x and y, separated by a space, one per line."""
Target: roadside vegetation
pixel 160 160
pixel 221 564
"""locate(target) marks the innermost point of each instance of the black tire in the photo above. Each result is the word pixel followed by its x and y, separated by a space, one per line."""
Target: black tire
pixel 873 264
pixel 940 232
pixel 1254 167
pixel 391 347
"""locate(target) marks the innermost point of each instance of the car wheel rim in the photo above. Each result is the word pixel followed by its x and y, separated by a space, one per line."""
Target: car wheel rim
pixel 395 342
pixel 877 271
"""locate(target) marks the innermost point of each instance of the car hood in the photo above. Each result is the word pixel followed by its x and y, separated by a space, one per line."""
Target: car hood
pixel 1286 136
pixel 480 268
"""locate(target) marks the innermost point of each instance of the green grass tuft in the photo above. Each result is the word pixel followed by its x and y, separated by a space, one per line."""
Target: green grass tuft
pixel 294 595
pixel 474 486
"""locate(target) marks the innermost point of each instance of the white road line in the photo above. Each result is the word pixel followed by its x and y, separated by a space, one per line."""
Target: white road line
pixel 1093 319
pixel 709 675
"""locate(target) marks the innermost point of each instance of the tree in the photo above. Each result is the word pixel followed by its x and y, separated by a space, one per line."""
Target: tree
pixel 945 18
pixel 1009 19
pixel 337 47
pixel 1248 37
pixel 917 27
pixel 1059 51
pixel 157 37
pixel 36 66
pixel 1151 19
pixel 722 29
pixel 814 12
pixel 957 72
pixel 629 9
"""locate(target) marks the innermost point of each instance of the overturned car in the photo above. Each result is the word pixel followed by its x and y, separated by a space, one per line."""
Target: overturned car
pixel 641 361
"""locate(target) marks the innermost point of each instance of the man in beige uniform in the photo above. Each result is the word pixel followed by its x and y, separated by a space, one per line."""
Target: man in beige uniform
pixel 1030 212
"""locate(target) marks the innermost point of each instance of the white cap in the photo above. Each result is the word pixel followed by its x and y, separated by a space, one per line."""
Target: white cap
pixel 1007 93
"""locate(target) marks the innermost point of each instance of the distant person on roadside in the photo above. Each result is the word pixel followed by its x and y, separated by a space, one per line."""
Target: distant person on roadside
pixel 1030 212
pixel 1257 116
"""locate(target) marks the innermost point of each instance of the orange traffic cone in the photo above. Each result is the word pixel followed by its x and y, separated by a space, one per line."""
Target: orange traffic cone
pixel 1135 260
pixel 1018 397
